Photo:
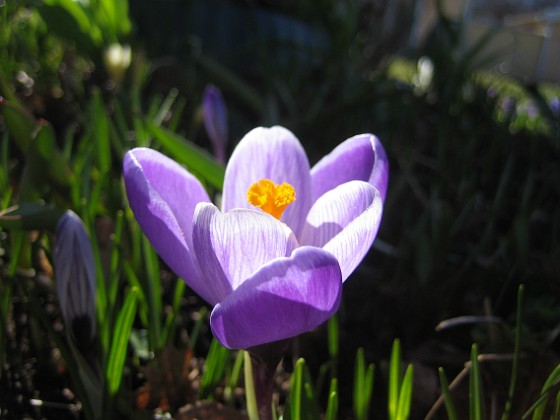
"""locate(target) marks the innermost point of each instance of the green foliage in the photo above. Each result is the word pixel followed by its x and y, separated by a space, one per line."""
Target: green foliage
pixel 214 368
pixel 91 25
pixel 119 342
pixel 476 408
pixel 471 209
pixel 449 405
pixel 302 404
pixel 363 386
pixel 400 388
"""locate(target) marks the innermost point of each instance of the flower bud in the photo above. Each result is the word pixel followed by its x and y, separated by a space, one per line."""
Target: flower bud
pixel 214 114
pixel 117 59
pixel 75 277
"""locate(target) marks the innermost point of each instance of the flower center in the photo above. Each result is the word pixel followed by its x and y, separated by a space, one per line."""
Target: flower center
pixel 270 197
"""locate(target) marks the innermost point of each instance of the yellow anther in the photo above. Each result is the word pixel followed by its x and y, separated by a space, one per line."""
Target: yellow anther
pixel 270 197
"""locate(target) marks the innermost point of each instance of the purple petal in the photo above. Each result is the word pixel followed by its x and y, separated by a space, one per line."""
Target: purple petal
pixel 334 210
pixel 163 196
pixel 353 242
pixel 76 282
pixel 214 114
pixel 269 153
pixel 283 299
pixel 360 158
pixel 231 246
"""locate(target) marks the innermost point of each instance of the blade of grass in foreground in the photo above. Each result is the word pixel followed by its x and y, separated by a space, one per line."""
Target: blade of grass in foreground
pixel 363 386
pixel 333 344
pixel 475 387
pixel 394 379
pixel 296 385
pixel 170 325
pixel 405 394
pixel 516 352
pixel 214 368
pixel 197 160
pixel 152 291
pixel 332 405
pixel 539 407
pixel 119 342
pixel 233 377
pixel 450 407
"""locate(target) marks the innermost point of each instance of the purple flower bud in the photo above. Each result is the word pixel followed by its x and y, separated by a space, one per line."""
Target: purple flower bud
pixel 75 277
pixel 214 115
pixel 555 106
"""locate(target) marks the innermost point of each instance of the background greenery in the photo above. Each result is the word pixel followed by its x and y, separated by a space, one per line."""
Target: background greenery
pixel 471 212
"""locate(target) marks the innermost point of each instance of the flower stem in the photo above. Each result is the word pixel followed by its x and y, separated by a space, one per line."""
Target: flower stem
pixel 264 360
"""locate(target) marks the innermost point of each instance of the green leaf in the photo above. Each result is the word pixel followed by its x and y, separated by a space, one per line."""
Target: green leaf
pixel 70 20
pixel 152 291
pixel 394 379
pixel 30 216
pixel 197 326
pixel 115 18
pixel 54 161
pixel 19 121
pixel 197 160
pixel 363 385
pixel 405 394
pixel 214 368
pixel 100 131
pixel 539 407
pixel 168 330
pixel 233 377
pixel 475 387
pixel 119 342
pixel 296 386
pixel 516 354
pixel 332 404
pixel 301 404
pixel 450 407
pixel 333 338
pixel 43 158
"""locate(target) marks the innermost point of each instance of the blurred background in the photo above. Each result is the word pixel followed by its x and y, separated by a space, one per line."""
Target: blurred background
pixel 464 95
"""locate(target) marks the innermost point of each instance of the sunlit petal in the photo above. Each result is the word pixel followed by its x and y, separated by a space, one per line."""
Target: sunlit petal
pixel 353 242
pixel 360 158
pixel 231 246
pixel 285 298
pixel 163 195
pixel 269 153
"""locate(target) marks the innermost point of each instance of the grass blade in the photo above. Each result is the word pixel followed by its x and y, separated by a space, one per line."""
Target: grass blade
pixel 152 291
pixel 332 405
pixel 119 343
pixel 197 160
pixel 516 352
pixel 363 386
pixel 450 407
pixel 539 407
pixel 296 386
pixel 405 394
pixel 233 378
pixel 475 387
pixel 214 368
pixel 333 344
pixel 394 379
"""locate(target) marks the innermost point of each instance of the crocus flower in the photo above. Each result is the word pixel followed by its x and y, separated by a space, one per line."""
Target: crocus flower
pixel 214 116
pixel 75 277
pixel 273 260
